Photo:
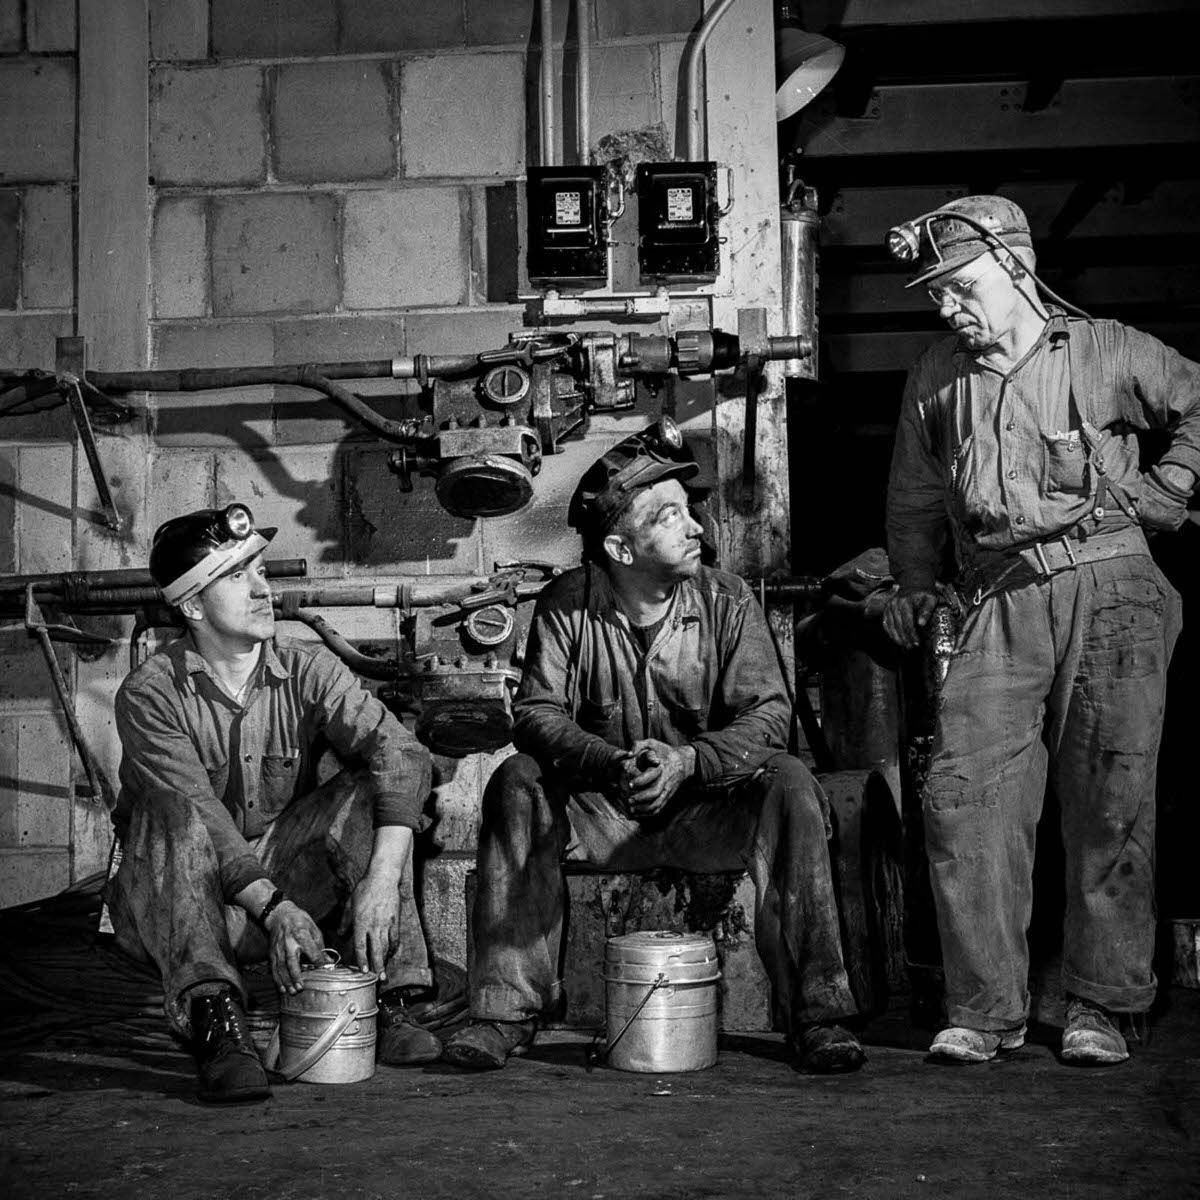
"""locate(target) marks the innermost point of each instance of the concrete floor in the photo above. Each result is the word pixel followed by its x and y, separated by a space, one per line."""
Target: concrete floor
pixel 85 1121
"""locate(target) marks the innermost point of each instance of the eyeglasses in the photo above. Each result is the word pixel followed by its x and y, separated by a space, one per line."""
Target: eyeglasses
pixel 961 286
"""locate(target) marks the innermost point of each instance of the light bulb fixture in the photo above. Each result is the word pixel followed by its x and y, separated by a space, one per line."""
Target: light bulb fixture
pixel 804 64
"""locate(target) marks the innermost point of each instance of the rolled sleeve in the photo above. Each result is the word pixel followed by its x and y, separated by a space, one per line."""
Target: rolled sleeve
pixel 358 725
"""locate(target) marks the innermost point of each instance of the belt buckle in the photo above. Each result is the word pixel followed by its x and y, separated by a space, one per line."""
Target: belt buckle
pixel 1066 544
pixel 1039 552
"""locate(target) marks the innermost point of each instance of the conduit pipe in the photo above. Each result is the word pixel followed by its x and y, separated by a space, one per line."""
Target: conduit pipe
pixel 546 96
pixel 691 75
pixel 583 102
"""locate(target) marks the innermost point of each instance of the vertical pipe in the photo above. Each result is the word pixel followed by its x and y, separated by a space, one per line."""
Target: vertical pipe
pixel 691 74
pixel 583 111
pixel 549 158
pixel 799 227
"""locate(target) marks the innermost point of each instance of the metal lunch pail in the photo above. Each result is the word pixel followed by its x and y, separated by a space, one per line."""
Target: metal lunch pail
pixel 327 1031
pixel 661 1001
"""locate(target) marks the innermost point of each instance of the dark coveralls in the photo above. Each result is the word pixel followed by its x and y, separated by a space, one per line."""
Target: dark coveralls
pixel 710 679
pixel 217 794
pixel 1062 657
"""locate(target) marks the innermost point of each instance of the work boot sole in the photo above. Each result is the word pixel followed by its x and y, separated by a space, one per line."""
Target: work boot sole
pixel 1091 1057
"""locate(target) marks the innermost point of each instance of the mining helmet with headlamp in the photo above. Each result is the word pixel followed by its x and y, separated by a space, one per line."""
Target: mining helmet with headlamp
pixel 946 239
pixel 191 551
pixel 610 484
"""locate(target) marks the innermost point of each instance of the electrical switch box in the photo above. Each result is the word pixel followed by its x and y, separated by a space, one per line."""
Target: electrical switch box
pixel 678 215
pixel 568 225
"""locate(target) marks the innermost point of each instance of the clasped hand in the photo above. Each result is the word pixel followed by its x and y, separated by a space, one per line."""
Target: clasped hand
pixel 650 773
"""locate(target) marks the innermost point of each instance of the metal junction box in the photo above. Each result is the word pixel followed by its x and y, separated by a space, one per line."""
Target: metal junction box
pixel 677 222
pixel 568 225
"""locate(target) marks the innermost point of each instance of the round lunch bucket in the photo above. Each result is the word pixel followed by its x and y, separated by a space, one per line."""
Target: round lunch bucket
pixel 661 1001
pixel 327 1031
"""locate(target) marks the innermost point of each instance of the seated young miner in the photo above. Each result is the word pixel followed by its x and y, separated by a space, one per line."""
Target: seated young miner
pixel 232 852
pixel 651 723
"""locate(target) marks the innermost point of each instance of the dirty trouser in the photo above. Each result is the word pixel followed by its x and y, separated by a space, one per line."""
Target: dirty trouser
pixel 1068 674
pixel 773 826
pixel 166 900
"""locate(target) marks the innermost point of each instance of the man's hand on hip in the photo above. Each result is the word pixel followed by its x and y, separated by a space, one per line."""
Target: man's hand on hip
pixel 294 934
pixel 907 613
pixel 657 773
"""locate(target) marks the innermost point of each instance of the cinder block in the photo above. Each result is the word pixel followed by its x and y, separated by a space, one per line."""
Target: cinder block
pixel 179 257
pixel 457 790
pixel 44 784
pixel 338 340
pixel 624 95
pixel 48 250
pixel 333 121
pixel 299 497
pixel 37 120
pixel 384 25
pixel 10 249
pixel 273 28
pixel 274 253
pixel 50 26
pixel 492 24
pixel 207 125
pixel 238 415
pixel 461 332
pixel 44 535
pixel 443 137
pixel 34 874
pixel 25 683
pixel 178 481
pixel 405 532
pixel 405 248
pixel 178 29
pixel 10 26
pixel 639 18
pixel 537 533
pixel 443 903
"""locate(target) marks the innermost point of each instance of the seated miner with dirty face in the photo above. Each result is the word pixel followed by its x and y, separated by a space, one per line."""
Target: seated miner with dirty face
pixel 233 849
pixel 651 725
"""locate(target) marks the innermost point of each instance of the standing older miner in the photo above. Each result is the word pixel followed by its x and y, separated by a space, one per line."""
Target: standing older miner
pixel 1017 444
pixel 652 723
pixel 232 853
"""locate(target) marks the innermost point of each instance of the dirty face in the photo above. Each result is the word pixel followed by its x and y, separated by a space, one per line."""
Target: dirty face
pixel 237 607
pixel 979 301
pixel 658 536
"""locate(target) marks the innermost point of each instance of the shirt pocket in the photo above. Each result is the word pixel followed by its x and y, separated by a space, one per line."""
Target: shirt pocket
pixel 279 775
pixel 600 717
pixel 1065 464
pixel 687 719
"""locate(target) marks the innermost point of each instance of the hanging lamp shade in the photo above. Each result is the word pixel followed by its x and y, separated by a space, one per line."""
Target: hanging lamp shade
pixel 804 64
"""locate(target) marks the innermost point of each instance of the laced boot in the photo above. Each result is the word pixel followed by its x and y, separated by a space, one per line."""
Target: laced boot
pixel 828 1050
pixel 402 1042
pixel 228 1063
pixel 1091 1038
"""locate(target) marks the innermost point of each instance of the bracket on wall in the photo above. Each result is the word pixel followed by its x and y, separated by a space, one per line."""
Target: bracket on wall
pixel 70 363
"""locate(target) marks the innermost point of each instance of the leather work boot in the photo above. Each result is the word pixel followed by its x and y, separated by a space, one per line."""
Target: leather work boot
pixel 402 1042
pixel 228 1063
pixel 961 1045
pixel 486 1045
pixel 1091 1038
pixel 828 1050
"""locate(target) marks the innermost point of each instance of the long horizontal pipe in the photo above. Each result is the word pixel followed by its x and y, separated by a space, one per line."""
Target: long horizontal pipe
pixel 133 577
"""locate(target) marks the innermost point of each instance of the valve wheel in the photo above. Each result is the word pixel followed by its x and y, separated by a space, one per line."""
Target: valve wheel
pixel 506 385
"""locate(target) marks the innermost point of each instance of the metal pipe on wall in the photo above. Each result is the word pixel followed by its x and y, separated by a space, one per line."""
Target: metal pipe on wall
pixel 546 95
pixel 583 102
pixel 691 75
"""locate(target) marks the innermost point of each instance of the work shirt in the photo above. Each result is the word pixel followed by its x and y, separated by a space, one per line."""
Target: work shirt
pixel 242 764
pixel 710 679
pixel 1003 459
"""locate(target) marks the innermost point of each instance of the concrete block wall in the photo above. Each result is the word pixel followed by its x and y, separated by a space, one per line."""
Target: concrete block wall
pixel 38 802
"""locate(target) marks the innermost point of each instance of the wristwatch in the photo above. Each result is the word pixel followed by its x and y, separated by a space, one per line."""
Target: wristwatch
pixel 277 898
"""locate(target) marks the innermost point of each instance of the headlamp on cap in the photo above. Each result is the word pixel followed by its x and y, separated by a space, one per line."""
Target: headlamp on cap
pixel 190 552
pixel 609 485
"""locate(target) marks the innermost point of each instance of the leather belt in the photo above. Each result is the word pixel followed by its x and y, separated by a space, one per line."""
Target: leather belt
pixel 1049 556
